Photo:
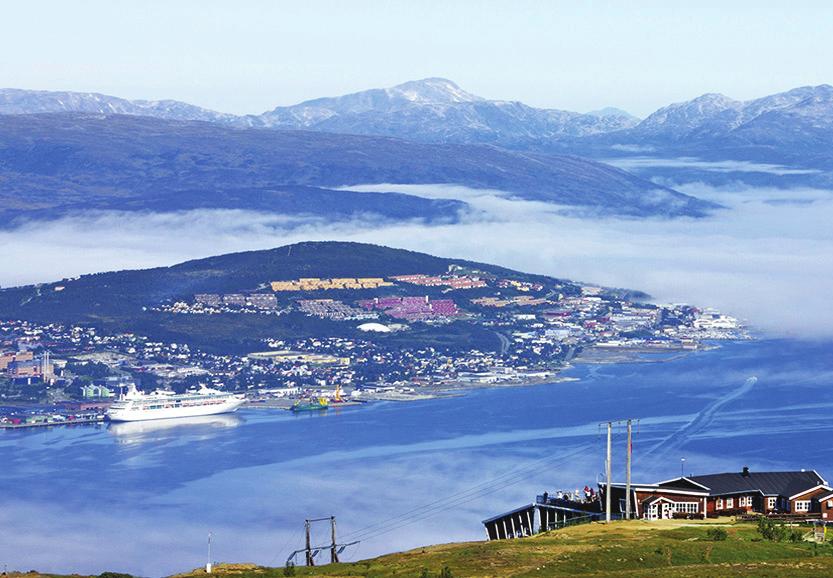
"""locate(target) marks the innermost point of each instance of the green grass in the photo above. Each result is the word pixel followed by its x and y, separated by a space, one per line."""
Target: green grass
pixel 632 549
pixel 668 549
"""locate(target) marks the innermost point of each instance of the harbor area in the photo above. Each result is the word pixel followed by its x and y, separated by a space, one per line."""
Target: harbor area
pixel 64 413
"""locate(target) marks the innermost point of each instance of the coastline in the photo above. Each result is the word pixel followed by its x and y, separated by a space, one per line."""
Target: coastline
pixel 593 355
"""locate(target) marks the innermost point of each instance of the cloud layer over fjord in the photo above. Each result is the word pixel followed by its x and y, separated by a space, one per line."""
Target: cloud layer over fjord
pixel 767 258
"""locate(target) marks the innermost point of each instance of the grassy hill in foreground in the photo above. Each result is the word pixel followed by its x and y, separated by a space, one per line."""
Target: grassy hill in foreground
pixel 669 548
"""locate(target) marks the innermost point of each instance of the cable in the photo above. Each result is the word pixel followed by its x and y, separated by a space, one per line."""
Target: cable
pixel 426 515
pixel 509 474
pixel 489 487
pixel 296 537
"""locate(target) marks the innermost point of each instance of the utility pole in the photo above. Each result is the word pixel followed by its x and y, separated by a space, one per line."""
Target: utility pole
pixel 607 471
pixel 308 549
pixel 333 551
pixel 628 472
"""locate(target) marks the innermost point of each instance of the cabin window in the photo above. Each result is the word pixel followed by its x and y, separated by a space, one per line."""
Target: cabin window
pixel 730 503
pixel 719 503
pixel 770 503
pixel 802 505
pixel 830 503
pixel 745 501
pixel 687 507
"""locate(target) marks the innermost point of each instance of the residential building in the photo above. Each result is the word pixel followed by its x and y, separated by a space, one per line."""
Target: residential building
pixel 801 492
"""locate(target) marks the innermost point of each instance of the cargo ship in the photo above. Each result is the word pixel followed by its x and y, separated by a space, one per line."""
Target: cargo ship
pixel 314 404
pixel 137 406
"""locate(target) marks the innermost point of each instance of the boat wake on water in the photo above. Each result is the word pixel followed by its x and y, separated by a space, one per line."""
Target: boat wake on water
pixel 700 421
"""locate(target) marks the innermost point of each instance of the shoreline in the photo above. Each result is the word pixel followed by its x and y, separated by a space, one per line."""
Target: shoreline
pixel 593 355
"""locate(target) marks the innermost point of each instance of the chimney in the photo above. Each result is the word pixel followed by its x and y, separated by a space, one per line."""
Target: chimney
pixel 745 472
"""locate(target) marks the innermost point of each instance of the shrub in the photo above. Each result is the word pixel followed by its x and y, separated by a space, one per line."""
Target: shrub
pixel 796 536
pixel 446 572
pixel 774 532
pixel 685 516
pixel 289 569
pixel 717 534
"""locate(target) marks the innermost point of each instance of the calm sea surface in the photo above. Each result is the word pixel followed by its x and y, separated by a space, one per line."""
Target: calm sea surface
pixel 142 497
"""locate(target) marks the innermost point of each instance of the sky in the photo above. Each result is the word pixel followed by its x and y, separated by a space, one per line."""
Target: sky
pixel 250 56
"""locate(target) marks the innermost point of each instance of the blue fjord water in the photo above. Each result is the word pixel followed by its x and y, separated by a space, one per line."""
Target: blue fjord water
pixel 142 497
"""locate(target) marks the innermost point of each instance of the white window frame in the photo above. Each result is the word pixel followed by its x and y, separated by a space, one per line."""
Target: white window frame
pixel 745 502
pixel 719 504
pixel 801 505
pixel 730 503
pixel 771 503
pixel 686 507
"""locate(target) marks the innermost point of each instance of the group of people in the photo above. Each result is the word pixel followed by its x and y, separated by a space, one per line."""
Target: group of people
pixel 586 495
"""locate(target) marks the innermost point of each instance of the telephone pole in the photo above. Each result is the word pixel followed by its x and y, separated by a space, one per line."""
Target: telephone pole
pixel 628 472
pixel 308 549
pixel 607 471
pixel 333 550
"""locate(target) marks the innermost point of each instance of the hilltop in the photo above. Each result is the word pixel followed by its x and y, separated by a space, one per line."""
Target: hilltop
pixel 669 549
pixel 123 300
pixel 625 549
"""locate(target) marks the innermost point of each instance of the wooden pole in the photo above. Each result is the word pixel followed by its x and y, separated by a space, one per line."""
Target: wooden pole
pixel 333 551
pixel 628 474
pixel 309 560
pixel 607 471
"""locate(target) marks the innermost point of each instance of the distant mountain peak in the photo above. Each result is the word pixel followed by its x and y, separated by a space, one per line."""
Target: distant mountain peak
pixel 611 112
pixel 433 90
pixel 20 101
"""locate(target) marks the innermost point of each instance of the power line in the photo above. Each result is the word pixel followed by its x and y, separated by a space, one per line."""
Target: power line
pixel 509 474
pixel 433 508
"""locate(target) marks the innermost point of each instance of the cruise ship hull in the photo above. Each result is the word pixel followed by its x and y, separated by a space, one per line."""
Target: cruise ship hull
pixel 130 414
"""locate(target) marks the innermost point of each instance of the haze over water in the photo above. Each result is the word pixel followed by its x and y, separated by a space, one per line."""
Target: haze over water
pixel 142 497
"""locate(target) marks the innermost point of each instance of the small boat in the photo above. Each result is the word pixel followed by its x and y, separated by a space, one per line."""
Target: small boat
pixel 314 404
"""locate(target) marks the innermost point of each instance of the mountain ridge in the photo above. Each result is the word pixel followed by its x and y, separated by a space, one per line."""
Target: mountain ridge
pixel 790 127
pixel 83 161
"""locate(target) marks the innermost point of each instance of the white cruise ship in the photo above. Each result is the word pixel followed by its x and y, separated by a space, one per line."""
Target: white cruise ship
pixel 137 406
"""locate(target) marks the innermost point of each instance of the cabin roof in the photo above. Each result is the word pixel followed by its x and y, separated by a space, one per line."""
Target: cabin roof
pixel 768 483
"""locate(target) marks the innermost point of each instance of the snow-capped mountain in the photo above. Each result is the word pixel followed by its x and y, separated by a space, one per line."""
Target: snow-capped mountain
pixel 612 111
pixel 714 116
pixel 437 110
pixel 17 101
pixel 429 110
pixel 793 127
